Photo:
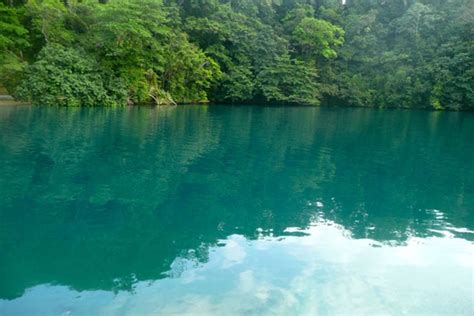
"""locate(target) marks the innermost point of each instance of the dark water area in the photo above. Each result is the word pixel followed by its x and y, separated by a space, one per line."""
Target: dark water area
pixel 235 210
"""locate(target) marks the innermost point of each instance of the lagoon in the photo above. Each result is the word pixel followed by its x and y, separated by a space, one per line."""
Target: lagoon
pixel 235 210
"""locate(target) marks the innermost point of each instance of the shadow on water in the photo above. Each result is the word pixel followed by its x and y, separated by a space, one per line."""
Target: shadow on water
pixel 98 199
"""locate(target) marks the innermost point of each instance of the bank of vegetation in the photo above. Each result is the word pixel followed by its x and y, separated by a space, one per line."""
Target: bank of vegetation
pixel 374 53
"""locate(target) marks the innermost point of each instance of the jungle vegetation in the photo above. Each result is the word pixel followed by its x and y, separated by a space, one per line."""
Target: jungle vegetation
pixel 374 53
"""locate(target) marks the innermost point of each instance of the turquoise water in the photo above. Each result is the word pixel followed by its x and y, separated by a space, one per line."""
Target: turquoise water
pixel 236 210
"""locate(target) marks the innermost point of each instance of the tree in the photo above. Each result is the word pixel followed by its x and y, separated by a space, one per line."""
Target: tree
pixel 13 41
pixel 289 81
pixel 400 53
pixel 48 17
pixel 68 77
pixel 315 37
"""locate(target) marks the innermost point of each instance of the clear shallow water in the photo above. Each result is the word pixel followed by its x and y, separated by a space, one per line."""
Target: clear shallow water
pixel 236 210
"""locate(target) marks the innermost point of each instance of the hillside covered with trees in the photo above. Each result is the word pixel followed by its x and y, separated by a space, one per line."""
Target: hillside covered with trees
pixel 374 53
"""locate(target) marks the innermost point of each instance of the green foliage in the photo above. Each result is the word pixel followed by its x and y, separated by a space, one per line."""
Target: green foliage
pixel 294 17
pixel 68 77
pixel 238 84
pixel 131 39
pixel 12 32
pixel 235 35
pixel 13 40
pixel 188 73
pixel 416 53
pixel 408 54
pixel 48 18
pixel 289 81
pixel 316 37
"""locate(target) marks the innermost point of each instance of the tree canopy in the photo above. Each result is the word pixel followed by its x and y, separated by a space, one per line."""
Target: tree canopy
pixel 400 53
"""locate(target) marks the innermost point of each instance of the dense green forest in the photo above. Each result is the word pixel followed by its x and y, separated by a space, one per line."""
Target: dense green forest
pixel 375 53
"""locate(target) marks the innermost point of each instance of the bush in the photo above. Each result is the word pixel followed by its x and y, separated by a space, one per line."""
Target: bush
pixel 69 77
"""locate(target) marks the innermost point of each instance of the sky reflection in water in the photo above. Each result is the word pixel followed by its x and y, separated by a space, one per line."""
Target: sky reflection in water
pixel 321 271
pixel 235 210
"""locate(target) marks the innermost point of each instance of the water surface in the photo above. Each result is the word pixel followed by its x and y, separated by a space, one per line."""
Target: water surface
pixel 235 210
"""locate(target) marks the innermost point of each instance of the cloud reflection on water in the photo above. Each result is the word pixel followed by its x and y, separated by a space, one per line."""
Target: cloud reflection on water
pixel 322 271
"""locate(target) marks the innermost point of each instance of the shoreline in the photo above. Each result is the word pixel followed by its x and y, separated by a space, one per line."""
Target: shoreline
pixel 8 100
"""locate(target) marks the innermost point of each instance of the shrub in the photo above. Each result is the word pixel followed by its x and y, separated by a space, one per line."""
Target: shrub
pixel 69 77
